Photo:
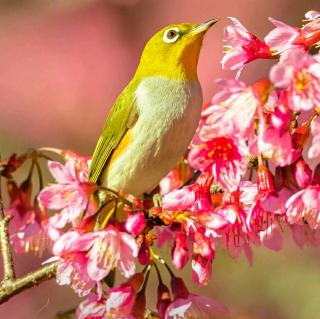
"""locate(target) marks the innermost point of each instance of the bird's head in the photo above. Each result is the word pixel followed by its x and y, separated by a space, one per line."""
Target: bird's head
pixel 173 51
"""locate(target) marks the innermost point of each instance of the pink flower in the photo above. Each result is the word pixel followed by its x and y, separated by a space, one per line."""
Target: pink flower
pixel 281 114
pixel 191 206
pixel 233 109
pixel 117 304
pixel 285 37
pixel 120 302
pixel 37 236
pixel 314 150
pixel 29 229
pixel 164 235
pixel 20 207
pixel 92 308
pixel 73 269
pixel 304 206
pixel 70 195
pixel 274 144
pixel 175 178
pixel 224 157
pixel 203 245
pixel 303 235
pixel 272 237
pixel 111 248
pixel 194 198
pixel 282 37
pixel 189 306
pixel 298 73
pixel 310 32
pixel 135 223
pixel 235 207
pixel 242 47
pixel 91 256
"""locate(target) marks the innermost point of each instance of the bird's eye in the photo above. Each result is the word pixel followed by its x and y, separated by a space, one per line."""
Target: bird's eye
pixel 171 35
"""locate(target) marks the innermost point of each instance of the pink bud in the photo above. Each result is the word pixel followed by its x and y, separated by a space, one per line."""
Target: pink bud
pixel 201 270
pixel 302 173
pixel 164 299
pixel 135 223
pixel 144 253
pixel 180 253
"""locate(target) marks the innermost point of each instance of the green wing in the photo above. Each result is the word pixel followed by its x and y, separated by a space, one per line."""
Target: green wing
pixel 121 117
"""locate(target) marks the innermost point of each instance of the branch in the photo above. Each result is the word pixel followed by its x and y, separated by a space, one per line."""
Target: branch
pixel 8 269
pixel 10 286
pixel 14 287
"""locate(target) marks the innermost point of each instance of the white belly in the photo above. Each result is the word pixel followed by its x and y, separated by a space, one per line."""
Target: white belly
pixel 169 112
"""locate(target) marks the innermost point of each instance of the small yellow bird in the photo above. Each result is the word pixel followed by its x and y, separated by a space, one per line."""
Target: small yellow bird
pixel 156 115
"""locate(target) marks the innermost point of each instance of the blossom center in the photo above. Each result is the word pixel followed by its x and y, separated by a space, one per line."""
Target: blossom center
pixel 221 148
pixel 302 80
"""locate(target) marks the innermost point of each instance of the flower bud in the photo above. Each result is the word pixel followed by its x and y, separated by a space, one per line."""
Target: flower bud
pixel 302 173
pixel 144 253
pixel 12 189
pixel 300 135
pixel 265 179
pixel 164 299
pixel 139 306
pixel 180 252
pixel 135 223
pixel 201 270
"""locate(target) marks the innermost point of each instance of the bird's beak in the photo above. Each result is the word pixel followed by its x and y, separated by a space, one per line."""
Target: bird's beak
pixel 203 27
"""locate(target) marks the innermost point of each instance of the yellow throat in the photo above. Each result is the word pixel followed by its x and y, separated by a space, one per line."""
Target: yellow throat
pixel 176 48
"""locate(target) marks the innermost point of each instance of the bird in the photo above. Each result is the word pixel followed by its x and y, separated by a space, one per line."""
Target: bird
pixel 154 118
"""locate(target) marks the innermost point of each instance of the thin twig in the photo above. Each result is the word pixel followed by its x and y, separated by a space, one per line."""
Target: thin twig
pixel 14 287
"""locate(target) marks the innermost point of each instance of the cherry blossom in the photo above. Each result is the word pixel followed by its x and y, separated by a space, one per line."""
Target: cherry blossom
pixel 91 256
pixel 224 157
pixel 70 196
pixel 299 73
pixel 285 37
pixel 314 150
pixel 187 305
pixel 242 47
pixel 304 206
pixel 92 308
pixel 233 109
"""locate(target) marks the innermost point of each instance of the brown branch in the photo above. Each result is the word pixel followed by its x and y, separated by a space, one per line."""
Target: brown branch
pixel 13 287
pixel 8 268
pixel 10 285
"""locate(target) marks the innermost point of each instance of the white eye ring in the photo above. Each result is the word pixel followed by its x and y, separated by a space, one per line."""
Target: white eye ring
pixel 171 35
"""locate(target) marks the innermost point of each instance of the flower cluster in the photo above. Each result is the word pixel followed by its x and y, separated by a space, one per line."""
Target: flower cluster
pixel 251 173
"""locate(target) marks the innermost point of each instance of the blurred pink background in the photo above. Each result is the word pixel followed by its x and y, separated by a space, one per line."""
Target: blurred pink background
pixel 62 65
